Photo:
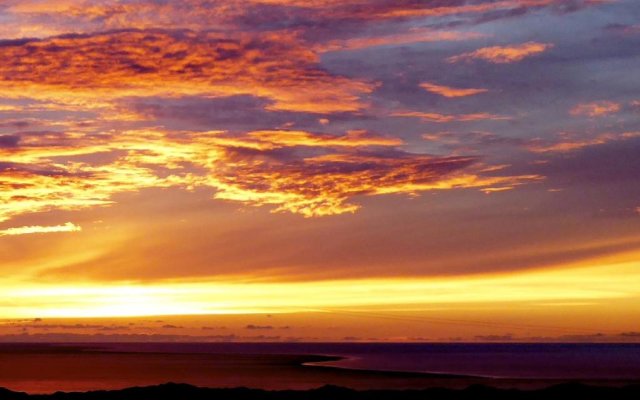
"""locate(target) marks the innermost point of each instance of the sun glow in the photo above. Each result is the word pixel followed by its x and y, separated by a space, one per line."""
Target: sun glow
pixel 613 281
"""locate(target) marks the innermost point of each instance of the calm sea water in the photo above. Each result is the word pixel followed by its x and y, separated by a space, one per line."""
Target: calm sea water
pixel 46 368
pixel 527 361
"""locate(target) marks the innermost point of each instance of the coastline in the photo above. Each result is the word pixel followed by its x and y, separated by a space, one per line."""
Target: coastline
pixel 326 363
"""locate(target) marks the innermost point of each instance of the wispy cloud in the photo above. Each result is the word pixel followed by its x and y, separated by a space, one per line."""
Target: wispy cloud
pixel 437 117
pixel 448 91
pixel 503 54
pixel 596 108
pixel 562 142
pixel 28 230
pixel 413 36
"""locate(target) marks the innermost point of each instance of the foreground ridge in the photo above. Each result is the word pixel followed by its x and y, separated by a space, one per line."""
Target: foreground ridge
pixel 185 391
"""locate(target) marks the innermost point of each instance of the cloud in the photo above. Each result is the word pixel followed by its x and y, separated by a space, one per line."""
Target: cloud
pixel 258 327
pixel 39 18
pixel 312 174
pixel 281 138
pixel 596 337
pixel 77 186
pixel 76 326
pixel 503 54
pixel 607 171
pixel 612 163
pixel 62 337
pixel 413 36
pixel 562 142
pixel 7 107
pixel 170 326
pixel 442 118
pixel 472 141
pixel 566 142
pixel 381 10
pixel 324 185
pixel 252 80
pixel 596 109
pixel 28 230
pixel 80 68
pixel 450 92
pixel 495 338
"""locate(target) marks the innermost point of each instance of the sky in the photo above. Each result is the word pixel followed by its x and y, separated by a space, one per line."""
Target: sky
pixel 285 170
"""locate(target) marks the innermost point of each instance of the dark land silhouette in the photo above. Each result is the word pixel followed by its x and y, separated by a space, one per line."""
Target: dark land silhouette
pixel 174 391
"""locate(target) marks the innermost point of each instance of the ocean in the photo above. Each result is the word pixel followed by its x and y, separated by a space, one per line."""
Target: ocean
pixel 46 368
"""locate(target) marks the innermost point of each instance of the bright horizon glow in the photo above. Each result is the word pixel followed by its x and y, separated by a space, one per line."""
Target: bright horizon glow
pixel 603 282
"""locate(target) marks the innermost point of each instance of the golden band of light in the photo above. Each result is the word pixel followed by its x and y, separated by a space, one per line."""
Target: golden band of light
pixel 614 281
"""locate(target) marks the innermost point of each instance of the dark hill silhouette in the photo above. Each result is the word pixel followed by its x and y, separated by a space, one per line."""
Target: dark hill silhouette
pixel 175 391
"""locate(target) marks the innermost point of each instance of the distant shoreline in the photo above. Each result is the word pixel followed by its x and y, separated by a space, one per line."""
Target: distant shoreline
pixel 323 363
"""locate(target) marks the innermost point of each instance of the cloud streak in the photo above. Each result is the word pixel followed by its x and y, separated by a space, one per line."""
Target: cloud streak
pixel 413 36
pixel 443 118
pixel 503 54
pixel 596 109
pixel 450 92
pixel 30 230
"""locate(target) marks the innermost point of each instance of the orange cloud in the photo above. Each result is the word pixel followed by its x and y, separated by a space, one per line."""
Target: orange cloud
pixel 28 230
pixel 241 168
pixel 448 91
pixel 563 146
pixel 596 109
pixel 413 36
pixel 70 187
pixel 503 54
pixel 560 143
pixel 329 182
pixel 569 142
pixel 367 9
pixel 280 138
pixel 81 68
pixel 199 14
pixel 8 107
pixel 46 18
pixel 441 118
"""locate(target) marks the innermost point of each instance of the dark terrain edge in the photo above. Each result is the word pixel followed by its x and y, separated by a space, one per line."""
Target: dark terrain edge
pixel 178 391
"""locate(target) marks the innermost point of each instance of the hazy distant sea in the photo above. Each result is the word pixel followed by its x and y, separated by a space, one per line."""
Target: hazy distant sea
pixel 38 368
pixel 498 360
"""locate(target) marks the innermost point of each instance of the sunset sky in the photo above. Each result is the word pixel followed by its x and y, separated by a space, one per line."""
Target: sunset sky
pixel 320 170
